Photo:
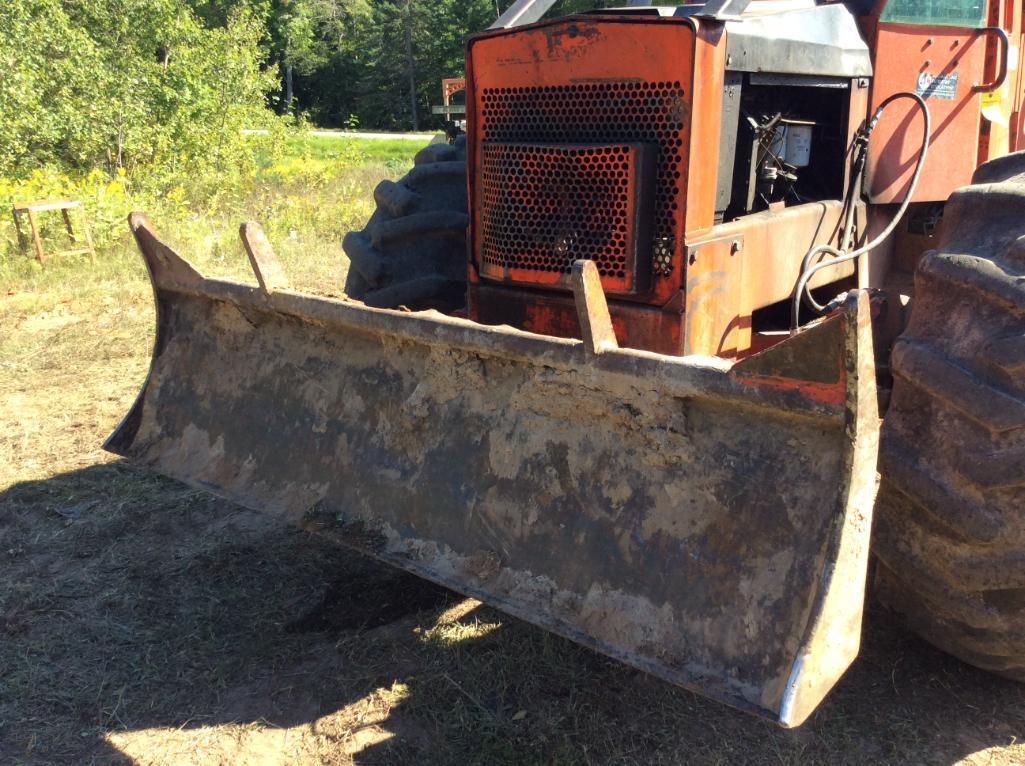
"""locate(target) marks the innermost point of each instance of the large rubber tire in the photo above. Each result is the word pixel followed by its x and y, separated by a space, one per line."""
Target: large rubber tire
pixel 412 252
pixel 950 518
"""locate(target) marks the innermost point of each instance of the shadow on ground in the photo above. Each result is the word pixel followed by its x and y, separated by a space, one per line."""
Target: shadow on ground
pixel 142 621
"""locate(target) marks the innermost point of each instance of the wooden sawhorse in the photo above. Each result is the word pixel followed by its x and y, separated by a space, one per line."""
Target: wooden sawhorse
pixel 30 209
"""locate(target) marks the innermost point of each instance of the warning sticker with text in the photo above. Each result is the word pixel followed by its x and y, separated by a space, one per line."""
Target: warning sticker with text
pixel 936 85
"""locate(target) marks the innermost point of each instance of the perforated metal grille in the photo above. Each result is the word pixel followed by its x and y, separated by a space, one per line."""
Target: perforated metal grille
pixel 599 113
pixel 545 206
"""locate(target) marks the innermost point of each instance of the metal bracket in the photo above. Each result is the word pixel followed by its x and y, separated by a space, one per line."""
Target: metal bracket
pixel 265 263
pixel 592 309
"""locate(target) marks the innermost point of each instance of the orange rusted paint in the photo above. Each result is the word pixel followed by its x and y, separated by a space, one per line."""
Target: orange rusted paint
pixel 654 58
pixel 636 325
pixel 706 106
pixel 728 278
pixel 544 70
pixel 713 312
pixel 904 55
pixel 544 206
pixel 580 60
pixel 824 393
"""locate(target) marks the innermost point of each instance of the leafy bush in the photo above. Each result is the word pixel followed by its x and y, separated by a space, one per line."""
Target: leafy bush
pixel 130 104
pixel 138 86
pixel 303 185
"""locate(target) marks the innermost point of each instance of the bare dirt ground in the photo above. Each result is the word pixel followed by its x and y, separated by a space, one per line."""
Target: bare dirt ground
pixel 143 622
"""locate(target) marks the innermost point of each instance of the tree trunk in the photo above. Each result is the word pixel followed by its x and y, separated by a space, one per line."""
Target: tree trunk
pixel 411 66
pixel 288 88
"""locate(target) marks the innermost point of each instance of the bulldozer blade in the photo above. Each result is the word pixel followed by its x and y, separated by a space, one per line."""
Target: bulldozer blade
pixel 705 521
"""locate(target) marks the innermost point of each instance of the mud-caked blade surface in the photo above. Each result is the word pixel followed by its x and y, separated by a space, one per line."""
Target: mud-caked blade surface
pixel 707 523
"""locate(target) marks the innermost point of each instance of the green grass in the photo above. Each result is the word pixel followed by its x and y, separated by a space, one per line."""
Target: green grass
pixel 305 200
pixel 144 622
pixel 381 150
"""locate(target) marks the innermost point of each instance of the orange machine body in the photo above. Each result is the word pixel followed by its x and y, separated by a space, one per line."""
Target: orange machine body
pixel 606 82
pixel 601 136
pixel 956 66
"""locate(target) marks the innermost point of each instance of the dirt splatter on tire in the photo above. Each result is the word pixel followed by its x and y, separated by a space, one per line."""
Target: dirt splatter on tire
pixel 950 519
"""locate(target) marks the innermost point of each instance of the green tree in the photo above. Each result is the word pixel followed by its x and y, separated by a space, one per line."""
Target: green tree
pixel 387 63
pixel 399 43
pixel 127 84
pixel 306 34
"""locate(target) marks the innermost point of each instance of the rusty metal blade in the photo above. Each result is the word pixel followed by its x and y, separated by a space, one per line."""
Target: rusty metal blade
pixel 705 522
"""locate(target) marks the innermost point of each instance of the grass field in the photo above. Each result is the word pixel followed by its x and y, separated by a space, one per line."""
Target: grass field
pixel 144 622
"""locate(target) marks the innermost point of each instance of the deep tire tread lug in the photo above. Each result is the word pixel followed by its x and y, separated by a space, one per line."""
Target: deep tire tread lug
pixel 950 515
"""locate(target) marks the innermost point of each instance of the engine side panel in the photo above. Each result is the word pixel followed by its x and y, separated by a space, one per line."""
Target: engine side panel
pixel 598 81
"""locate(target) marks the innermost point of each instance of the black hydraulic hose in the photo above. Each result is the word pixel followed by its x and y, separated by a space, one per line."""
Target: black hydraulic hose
pixel 801 291
pixel 860 156
pixel 852 197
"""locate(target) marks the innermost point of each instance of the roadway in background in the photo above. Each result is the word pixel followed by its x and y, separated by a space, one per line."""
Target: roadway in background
pixel 351 134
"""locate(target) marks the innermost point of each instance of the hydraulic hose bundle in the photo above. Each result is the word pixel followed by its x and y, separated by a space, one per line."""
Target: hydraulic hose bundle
pixel 859 149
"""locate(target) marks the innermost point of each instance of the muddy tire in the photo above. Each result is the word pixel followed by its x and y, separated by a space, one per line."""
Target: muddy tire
pixel 413 250
pixel 950 519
